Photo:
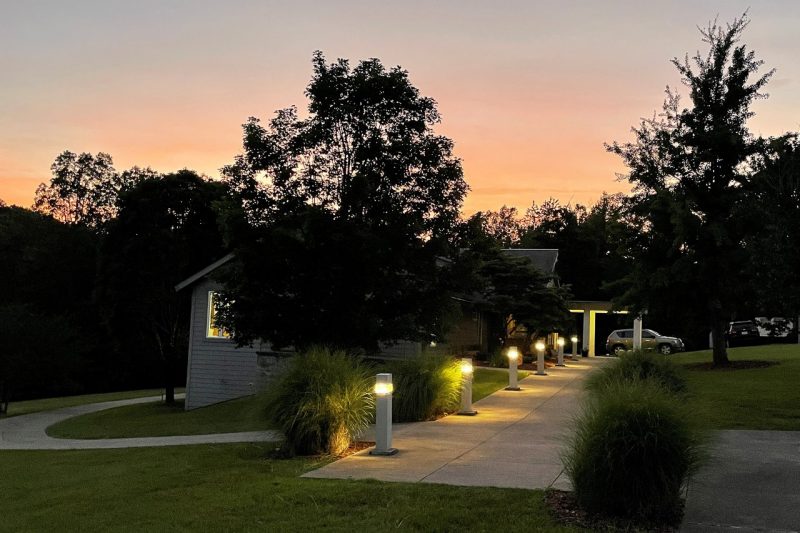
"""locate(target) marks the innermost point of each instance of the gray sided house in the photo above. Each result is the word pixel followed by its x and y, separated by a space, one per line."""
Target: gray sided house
pixel 218 371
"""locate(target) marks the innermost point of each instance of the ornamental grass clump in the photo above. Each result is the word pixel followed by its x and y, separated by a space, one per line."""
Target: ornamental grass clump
pixel 636 366
pixel 323 401
pixel 425 387
pixel 633 451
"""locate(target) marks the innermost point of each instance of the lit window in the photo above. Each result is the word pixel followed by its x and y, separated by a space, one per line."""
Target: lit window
pixel 211 328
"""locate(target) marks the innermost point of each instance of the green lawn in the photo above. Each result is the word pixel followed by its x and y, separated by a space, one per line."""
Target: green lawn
pixel 47 404
pixel 236 488
pixel 158 419
pixel 489 380
pixel 759 398
pixel 244 414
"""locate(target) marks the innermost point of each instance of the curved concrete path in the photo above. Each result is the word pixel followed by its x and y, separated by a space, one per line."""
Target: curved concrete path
pixel 28 432
pixel 514 441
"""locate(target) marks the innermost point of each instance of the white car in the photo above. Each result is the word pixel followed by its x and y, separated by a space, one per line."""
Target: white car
pixel 773 327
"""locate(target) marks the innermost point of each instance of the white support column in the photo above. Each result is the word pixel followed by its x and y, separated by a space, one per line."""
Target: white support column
pixel 637 333
pixel 592 331
pixel 587 321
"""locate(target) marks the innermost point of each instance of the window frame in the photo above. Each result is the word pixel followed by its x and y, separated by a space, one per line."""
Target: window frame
pixel 223 334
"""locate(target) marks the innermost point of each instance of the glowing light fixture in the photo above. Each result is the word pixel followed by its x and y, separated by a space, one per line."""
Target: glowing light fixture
pixel 383 416
pixel 383 389
pixel 466 388
pixel 574 340
pixel 540 358
pixel 513 361
pixel 561 341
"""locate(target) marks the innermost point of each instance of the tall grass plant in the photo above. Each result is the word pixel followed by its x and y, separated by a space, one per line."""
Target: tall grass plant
pixel 636 366
pixel 425 387
pixel 322 402
pixel 633 451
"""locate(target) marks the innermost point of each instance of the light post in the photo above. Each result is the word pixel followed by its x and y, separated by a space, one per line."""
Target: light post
pixel 466 388
pixel 574 340
pixel 540 359
pixel 383 416
pixel 513 361
pixel 560 343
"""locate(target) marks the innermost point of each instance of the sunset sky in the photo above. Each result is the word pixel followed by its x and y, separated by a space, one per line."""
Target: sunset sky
pixel 528 90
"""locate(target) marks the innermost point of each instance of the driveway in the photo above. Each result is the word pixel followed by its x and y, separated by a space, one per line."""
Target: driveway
pixel 752 483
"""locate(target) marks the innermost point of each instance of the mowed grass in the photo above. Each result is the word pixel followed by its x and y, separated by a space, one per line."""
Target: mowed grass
pixel 236 488
pixel 489 380
pixel 243 414
pixel 158 420
pixel 758 398
pixel 48 404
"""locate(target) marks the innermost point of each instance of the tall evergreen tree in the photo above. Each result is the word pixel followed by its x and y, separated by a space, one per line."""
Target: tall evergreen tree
pixel 689 170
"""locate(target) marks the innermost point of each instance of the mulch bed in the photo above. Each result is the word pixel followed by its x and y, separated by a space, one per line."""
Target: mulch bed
pixel 734 365
pixel 357 447
pixel 565 510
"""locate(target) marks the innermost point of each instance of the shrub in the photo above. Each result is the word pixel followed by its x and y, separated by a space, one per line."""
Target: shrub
pixel 425 387
pixel 632 453
pixel 638 365
pixel 498 359
pixel 322 402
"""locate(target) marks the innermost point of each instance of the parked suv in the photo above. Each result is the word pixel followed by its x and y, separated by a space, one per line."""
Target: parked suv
pixel 743 332
pixel 621 340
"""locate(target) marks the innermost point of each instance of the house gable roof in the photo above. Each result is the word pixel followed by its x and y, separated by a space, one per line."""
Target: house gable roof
pixel 203 273
pixel 544 259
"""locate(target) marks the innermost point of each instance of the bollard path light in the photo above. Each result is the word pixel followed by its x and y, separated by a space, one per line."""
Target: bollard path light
pixel 560 343
pixel 540 359
pixel 513 362
pixel 383 415
pixel 466 388
pixel 574 340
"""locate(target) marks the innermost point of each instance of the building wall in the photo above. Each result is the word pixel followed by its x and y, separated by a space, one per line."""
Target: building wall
pixel 217 370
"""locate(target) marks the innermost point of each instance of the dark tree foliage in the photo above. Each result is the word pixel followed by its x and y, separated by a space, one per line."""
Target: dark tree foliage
pixel 85 188
pixel 510 290
pixel 773 244
pixel 515 290
pixel 689 168
pixel 344 215
pixel 504 225
pixel 48 323
pixel 165 231
pixel 591 243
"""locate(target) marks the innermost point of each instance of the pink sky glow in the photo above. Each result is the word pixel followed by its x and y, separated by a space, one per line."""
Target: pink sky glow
pixel 529 91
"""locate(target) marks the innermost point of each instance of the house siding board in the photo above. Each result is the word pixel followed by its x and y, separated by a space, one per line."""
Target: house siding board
pixel 217 370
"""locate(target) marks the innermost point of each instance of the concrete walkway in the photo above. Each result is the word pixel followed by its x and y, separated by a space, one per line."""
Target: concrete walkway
pixel 28 432
pixel 514 441
pixel 751 483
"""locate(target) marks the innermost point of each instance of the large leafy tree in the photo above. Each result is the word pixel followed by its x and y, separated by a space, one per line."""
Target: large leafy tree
pixel 345 214
pixel 84 188
pixel 48 324
pixel 689 167
pixel 773 244
pixel 165 231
